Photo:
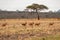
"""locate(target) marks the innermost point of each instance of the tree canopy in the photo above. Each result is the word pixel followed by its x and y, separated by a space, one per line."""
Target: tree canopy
pixel 37 7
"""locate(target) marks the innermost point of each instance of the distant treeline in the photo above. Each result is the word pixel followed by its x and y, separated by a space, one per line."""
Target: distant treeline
pixel 27 15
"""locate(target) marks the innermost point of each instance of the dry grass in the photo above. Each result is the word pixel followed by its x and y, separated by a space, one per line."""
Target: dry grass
pixel 26 29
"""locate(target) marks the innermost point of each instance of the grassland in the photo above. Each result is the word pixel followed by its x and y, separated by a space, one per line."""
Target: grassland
pixel 30 29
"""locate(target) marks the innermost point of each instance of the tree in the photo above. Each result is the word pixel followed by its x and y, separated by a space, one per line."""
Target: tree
pixel 36 8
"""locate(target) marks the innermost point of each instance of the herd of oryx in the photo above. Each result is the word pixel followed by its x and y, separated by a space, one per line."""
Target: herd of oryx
pixel 23 24
pixel 31 24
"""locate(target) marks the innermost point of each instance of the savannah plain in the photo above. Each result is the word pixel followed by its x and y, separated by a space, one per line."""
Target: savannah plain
pixel 30 29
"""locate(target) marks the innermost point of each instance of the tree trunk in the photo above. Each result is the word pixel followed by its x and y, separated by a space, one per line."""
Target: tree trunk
pixel 37 14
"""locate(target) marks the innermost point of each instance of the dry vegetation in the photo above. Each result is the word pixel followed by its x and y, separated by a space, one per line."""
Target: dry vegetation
pixel 29 29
